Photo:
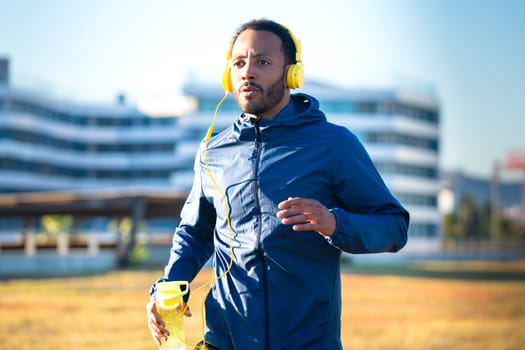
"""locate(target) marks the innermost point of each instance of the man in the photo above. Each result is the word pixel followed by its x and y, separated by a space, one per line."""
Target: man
pixel 296 192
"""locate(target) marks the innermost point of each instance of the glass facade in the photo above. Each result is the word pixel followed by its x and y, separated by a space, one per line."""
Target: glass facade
pixel 47 145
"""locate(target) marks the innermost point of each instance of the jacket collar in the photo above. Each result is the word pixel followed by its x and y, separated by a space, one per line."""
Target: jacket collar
pixel 302 109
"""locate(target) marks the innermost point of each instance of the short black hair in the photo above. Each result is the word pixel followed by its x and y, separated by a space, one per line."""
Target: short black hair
pixel 273 27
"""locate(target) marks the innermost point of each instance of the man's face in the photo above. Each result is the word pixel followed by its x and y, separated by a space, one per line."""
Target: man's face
pixel 257 73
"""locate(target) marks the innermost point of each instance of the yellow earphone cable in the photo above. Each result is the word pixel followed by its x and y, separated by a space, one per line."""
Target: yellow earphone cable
pixel 226 210
pixel 221 192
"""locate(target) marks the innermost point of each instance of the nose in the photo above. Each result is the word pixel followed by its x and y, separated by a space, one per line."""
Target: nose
pixel 248 72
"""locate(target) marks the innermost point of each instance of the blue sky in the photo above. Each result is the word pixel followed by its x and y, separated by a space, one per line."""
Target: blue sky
pixel 471 53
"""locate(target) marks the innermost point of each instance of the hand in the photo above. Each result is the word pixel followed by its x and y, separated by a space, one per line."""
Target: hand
pixel 155 324
pixel 307 215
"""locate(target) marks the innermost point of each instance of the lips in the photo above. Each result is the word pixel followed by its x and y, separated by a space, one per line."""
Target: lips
pixel 250 89
pixel 249 92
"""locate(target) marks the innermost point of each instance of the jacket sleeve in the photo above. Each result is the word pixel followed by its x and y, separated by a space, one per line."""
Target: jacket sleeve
pixel 369 218
pixel 192 243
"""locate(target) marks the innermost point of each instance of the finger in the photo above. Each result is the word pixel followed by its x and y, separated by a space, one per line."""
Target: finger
pixel 288 213
pixel 325 225
pixel 155 324
pixel 153 314
pixel 305 227
pixel 157 327
pixel 290 218
pixel 186 310
pixel 156 333
pixel 156 339
pixel 295 211
pixel 293 201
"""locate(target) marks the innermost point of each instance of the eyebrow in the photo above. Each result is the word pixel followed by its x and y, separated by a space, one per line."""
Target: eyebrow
pixel 257 55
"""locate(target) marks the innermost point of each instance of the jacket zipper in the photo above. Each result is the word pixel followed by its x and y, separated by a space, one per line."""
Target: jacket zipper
pixel 255 187
pixel 255 190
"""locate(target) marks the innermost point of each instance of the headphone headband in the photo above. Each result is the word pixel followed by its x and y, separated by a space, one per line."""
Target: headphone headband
pixel 298 47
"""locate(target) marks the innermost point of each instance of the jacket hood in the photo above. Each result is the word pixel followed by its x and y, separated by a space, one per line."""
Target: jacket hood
pixel 302 109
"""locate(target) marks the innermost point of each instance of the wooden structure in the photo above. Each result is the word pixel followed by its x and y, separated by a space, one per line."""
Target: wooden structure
pixel 138 205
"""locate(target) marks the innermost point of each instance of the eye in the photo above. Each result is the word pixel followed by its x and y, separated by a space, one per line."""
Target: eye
pixel 263 62
pixel 238 63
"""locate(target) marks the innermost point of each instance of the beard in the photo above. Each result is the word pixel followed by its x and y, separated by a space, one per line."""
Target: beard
pixel 269 97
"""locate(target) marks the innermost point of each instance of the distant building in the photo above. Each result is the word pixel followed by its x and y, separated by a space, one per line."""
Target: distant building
pixel 505 194
pixel 47 145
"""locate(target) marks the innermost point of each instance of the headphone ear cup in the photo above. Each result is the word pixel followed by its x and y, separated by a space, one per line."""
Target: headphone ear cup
pixel 227 81
pixel 294 76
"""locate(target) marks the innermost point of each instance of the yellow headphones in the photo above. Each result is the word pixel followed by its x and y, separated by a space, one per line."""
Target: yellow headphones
pixel 294 73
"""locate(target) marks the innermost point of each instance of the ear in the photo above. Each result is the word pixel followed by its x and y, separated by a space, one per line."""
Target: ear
pixel 227 80
pixel 294 76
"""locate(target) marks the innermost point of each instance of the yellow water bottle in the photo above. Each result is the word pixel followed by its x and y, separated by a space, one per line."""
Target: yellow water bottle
pixel 170 307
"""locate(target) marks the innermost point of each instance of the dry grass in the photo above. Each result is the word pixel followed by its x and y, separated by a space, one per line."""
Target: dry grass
pixel 379 311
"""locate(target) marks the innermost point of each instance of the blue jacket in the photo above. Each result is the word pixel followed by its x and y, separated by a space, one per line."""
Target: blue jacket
pixel 283 291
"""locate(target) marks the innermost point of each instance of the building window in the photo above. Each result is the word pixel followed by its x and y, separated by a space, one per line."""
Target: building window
pixel 423 230
pixel 395 168
pixel 403 139
pixel 415 112
pixel 417 200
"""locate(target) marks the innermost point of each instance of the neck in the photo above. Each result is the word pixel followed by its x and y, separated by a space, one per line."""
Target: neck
pixel 272 112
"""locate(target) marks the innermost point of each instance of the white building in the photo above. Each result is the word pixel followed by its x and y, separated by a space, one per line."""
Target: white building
pixel 47 145
pixel 399 129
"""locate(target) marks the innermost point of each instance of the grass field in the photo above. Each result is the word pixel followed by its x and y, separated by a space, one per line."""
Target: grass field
pixel 428 306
